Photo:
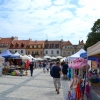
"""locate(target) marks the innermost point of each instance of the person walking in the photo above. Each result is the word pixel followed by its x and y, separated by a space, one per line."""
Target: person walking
pixel 47 67
pixel 31 68
pixel 44 65
pixel 56 76
pixel 64 69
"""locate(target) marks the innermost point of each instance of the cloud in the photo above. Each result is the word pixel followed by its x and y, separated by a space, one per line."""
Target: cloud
pixel 39 19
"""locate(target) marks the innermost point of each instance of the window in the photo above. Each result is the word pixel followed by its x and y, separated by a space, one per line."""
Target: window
pixel 21 51
pixel 28 52
pixel 32 52
pixel 41 52
pixel 22 45
pixel 46 52
pixel 57 51
pixel 41 46
pixel 15 51
pixel 30 46
pixel 72 52
pixel 51 45
pixel 57 46
pixel 68 53
pixel 35 46
pixel 63 52
pixel 52 52
pixel 47 45
pixel 0 51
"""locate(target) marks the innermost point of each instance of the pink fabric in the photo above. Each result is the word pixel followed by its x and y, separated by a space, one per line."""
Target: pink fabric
pixel 79 63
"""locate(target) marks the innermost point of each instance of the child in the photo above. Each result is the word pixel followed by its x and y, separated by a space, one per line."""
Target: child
pixel 71 96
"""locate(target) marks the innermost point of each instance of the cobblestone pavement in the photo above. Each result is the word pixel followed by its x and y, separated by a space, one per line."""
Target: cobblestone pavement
pixel 38 87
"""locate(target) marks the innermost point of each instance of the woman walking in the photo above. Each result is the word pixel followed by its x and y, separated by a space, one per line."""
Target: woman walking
pixel 47 67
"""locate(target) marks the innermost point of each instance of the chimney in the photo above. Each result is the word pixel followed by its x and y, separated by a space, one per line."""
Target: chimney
pixel 61 40
pixel 82 41
pixel 15 38
pixel 35 41
pixel 79 41
pixel 30 39
pixel 12 37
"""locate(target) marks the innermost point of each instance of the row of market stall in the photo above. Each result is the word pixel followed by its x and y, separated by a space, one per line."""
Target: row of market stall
pixel 78 63
pixel 18 62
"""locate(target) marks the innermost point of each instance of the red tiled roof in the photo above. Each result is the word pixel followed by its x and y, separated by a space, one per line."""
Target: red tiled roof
pixel 19 43
pixel 6 41
pixel 36 42
pixel 66 43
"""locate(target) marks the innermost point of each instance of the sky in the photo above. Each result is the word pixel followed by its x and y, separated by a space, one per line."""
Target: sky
pixel 48 19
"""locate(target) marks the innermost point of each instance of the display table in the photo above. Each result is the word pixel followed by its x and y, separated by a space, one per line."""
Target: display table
pixel 94 84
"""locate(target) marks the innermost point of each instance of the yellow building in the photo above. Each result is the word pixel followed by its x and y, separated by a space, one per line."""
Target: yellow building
pixel 35 48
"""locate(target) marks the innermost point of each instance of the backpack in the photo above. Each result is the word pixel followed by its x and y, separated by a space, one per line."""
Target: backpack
pixel 51 72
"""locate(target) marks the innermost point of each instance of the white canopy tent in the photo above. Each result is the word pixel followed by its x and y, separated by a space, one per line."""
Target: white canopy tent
pixel 63 59
pixel 76 55
pixel 17 54
pixel 53 58
pixel 46 57
pixel 31 58
pixel 25 58
pixel 38 59
pixel 59 57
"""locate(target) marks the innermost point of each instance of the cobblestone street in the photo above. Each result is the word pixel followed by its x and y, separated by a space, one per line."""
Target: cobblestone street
pixel 38 87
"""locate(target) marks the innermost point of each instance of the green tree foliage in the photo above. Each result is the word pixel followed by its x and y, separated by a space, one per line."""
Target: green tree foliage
pixel 94 35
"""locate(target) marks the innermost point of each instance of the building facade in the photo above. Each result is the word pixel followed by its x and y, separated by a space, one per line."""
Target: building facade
pixel 40 48
pixel 35 48
pixel 68 49
pixel 52 48
pixel 19 46
pixel 5 43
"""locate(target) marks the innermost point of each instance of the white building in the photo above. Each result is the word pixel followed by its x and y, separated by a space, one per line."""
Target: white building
pixel 52 52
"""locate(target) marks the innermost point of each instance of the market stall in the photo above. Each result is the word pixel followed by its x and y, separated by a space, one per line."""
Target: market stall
pixel 1 64
pixel 79 67
pixel 94 51
pixel 14 64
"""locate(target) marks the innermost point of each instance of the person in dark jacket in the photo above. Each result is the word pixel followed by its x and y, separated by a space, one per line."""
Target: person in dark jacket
pixel 64 69
pixel 31 68
pixel 56 76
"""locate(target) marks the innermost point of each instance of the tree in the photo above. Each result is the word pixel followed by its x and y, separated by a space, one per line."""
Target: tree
pixel 94 35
